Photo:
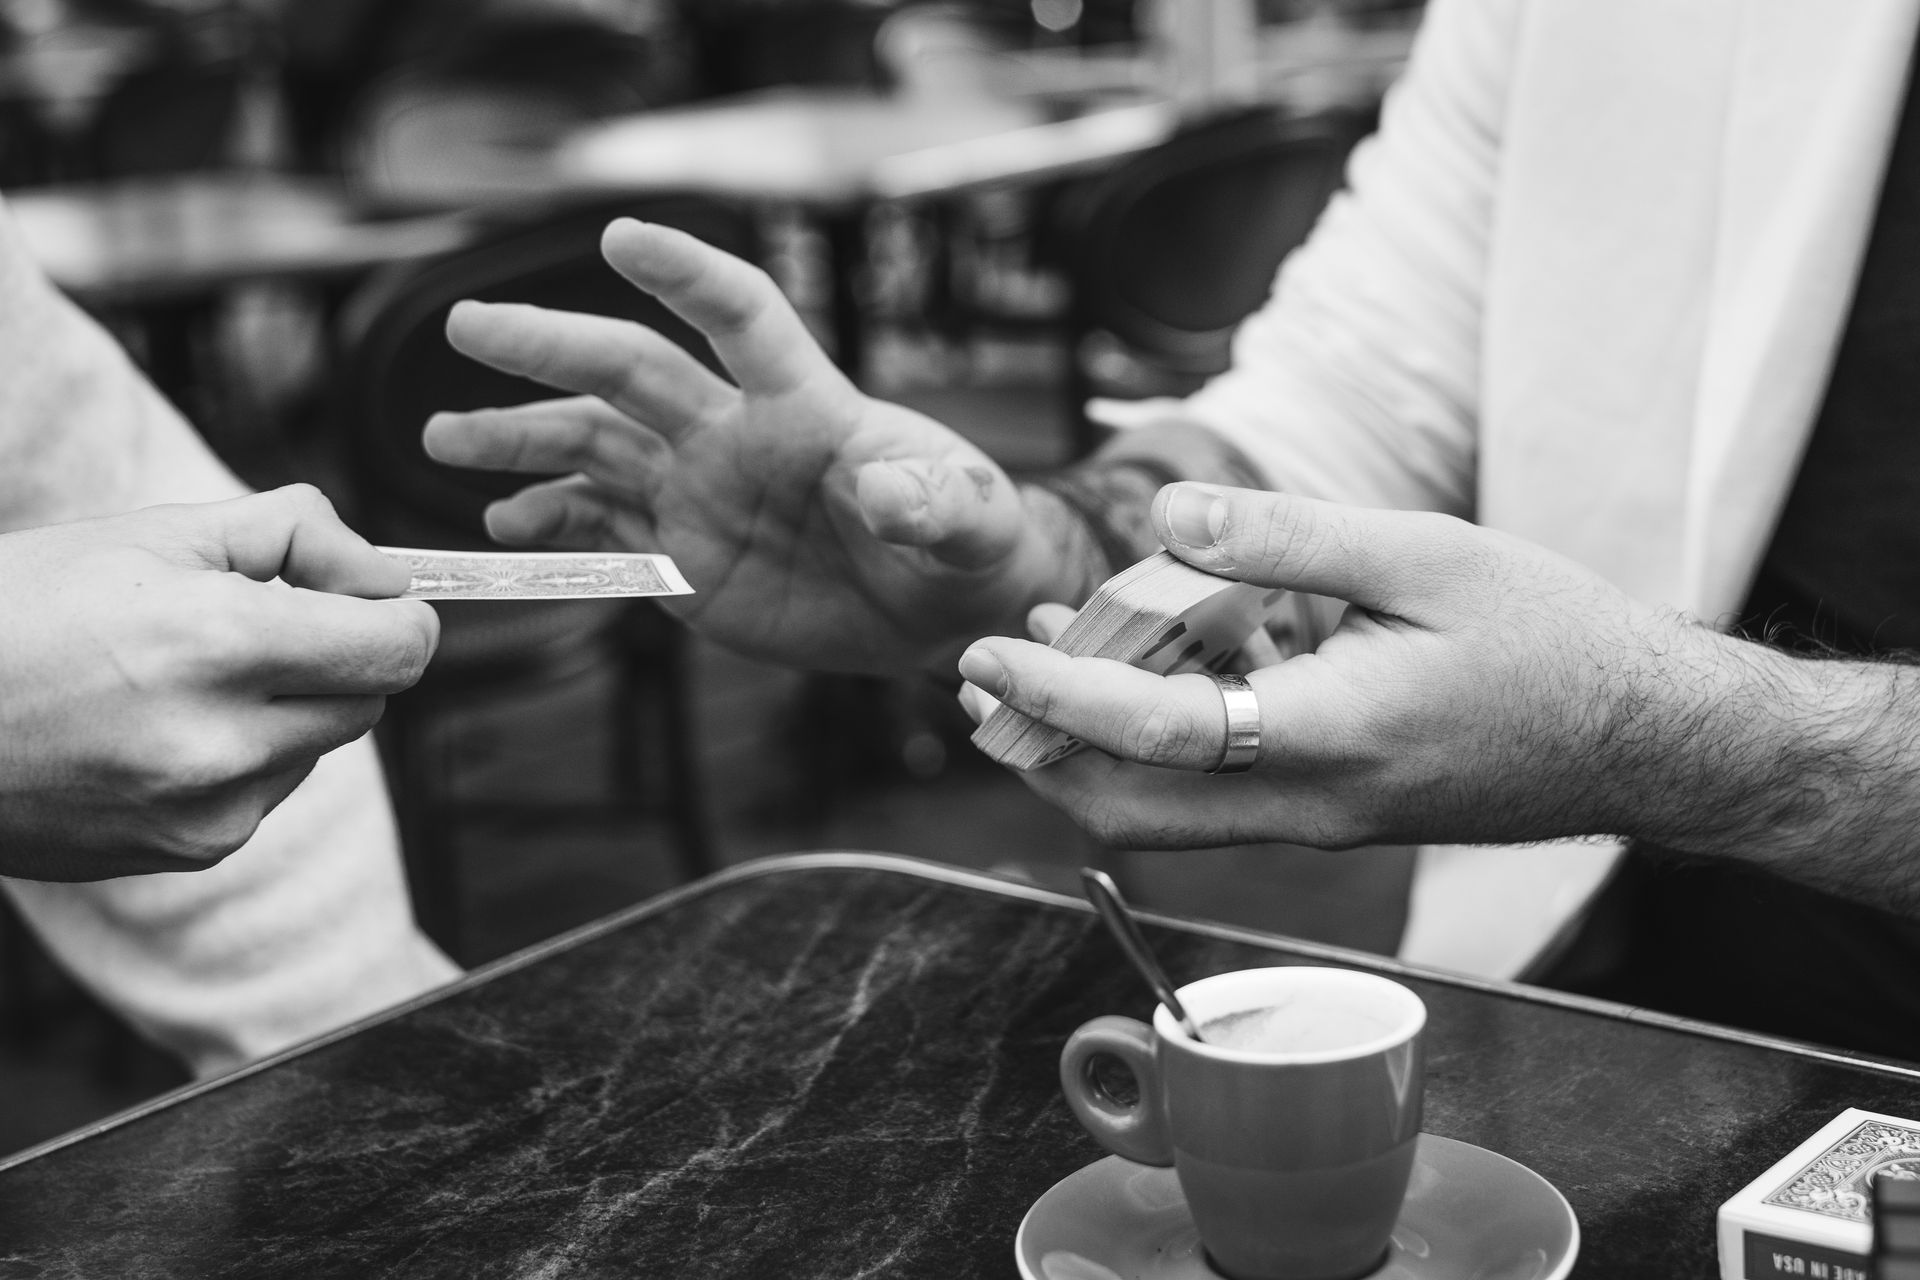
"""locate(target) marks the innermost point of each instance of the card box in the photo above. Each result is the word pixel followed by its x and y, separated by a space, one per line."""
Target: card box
pixel 1810 1216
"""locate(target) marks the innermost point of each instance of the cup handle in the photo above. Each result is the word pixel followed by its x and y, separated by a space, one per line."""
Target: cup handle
pixel 1138 1130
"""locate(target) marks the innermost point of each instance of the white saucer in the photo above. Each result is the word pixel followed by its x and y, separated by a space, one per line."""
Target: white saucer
pixel 1470 1215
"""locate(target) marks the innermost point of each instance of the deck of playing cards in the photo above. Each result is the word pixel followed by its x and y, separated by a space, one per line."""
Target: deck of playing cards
pixel 1165 616
pixel 1810 1216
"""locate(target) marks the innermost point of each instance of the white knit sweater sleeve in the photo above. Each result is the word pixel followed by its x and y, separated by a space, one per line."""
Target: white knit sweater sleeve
pixel 308 926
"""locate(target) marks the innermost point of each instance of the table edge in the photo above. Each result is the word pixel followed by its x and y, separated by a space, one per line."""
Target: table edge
pixel 946 874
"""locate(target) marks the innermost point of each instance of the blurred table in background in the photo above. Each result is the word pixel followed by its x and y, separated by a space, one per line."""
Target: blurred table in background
pixel 162 259
pixel 833 148
pixel 1054 113
pixel 836 152
pixel 153 240
pixel 818 147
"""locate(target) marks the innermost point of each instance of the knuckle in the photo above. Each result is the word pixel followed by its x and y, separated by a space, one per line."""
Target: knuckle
pixel 190 761
pixel 1106 818
pixel 1441 527
pixel 205 840
pixel 1457 547
pixel 1160 734
pixel 174 523
pixel 519 451
pixel 757 285
pixel 588 433
pixel 210 758
pixel 411 648
pixel 1332 829
pixel 1117 821
pixel 363 715
pixel 543 352
pixel 582 523
pixel 1280 539
pixel 1038 695
pixel 738 309
pixel 203 628
pixel 400 669
pixel 306 497
pixel 520 440
pixel 226 635
pixel 423 642
pixel 1351 831
pixel 374 663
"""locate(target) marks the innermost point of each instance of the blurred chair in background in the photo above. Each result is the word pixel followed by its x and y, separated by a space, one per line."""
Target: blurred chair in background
pixel 1141 274
pixel 399 370
pixel 755 44
pixel 1167 254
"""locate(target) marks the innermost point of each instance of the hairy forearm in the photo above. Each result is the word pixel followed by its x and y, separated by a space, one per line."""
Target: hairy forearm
pixel 1807 767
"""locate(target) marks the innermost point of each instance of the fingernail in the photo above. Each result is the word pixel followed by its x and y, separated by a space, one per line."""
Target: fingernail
pixel 1196 517
pixel 983 669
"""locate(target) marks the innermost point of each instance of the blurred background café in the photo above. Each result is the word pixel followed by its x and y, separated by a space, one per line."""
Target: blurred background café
pixel 992 210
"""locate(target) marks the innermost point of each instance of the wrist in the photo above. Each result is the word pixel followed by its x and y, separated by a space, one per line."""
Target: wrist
pixel 1094 518
pixel 1690 738
pixel 1804 766
pixel 1056 560
pixel 1064 557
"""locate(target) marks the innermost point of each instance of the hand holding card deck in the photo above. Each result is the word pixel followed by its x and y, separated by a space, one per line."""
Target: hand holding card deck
pixel 1162 615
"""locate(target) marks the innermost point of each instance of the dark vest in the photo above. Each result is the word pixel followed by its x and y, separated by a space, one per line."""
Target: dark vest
pixel 1713 940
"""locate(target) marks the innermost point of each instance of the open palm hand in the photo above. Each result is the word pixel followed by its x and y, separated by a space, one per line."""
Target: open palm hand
pixel 817 526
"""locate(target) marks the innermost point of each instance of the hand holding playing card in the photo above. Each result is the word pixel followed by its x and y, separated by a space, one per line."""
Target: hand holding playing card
pixel 1480 688
pixel 818 526
pixel 173 673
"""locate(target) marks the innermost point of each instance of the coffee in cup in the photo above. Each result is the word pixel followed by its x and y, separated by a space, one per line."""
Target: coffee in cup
pixel 1291 1127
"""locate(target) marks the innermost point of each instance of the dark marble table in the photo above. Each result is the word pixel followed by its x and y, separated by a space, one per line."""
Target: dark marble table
pixel 835 1066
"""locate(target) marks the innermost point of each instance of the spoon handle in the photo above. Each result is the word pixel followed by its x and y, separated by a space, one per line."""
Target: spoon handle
pixel 1106 899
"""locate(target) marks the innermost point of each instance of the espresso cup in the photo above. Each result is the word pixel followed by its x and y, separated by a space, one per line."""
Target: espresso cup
pixel 1293 1150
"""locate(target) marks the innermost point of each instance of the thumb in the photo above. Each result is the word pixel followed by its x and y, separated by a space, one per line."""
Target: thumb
pixel 1387 561
pixel 968 515
pixel 293 534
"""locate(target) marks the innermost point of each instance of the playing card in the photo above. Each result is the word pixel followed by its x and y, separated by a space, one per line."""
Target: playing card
pixel 537 575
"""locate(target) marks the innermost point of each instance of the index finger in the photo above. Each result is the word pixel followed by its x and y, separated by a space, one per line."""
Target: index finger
pixel 1172 722
pixel 291 533
pixel 753 328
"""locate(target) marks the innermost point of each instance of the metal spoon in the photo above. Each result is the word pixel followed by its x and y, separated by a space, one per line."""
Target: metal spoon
pixel 1104 894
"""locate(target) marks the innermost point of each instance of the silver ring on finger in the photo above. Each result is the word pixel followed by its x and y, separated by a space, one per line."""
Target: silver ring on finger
pixel 1243 724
